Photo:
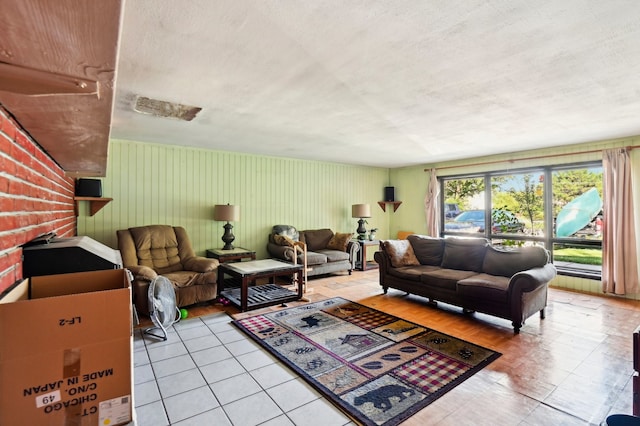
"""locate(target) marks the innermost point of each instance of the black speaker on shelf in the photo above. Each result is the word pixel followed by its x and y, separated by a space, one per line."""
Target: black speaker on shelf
pixel 389 193
pixel 88 188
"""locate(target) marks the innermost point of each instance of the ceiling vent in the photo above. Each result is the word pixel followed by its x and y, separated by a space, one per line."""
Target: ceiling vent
pixel 159 108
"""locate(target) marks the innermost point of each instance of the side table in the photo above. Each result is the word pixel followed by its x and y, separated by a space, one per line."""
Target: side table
pixel 234 255
pixel 362 264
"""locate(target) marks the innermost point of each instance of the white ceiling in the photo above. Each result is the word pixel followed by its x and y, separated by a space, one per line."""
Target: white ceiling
pixel 381 83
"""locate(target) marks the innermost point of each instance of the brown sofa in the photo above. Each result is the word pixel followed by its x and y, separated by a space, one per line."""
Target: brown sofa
pixel 327 252
pixel 470 273
pixel 149 251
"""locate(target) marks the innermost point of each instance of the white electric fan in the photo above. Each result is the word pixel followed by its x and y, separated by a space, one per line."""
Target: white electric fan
pixel 162 306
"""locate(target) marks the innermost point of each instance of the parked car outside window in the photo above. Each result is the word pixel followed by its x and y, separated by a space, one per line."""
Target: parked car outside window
pixel 451 210
pixel 473 221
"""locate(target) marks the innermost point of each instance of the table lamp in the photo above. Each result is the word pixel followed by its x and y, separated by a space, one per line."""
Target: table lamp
pixel 361 211
pixel 228 213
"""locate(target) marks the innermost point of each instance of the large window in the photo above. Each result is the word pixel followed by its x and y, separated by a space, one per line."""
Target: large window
pixel 559 208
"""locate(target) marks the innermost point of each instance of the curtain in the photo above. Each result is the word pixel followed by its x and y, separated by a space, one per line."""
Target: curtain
pixel 431 205
pixel 619 260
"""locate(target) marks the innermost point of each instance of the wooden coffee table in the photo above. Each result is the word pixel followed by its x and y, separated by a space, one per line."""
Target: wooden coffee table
pixel 257 296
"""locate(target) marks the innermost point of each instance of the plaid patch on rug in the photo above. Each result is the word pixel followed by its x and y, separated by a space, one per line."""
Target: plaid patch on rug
pixel 378 368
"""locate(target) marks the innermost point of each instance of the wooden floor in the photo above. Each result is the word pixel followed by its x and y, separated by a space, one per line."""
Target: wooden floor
pixel 573 368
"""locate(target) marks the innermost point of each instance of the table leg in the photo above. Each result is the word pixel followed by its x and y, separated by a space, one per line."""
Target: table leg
pixel 363 260
pixel 244 294
pixel 220 282
pixel 301 283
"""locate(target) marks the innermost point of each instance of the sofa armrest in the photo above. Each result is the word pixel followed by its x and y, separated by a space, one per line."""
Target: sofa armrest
pixel 200 264
pixel 384 265
pixel 352 249
pixel 383 260
pixel 142 277
pixel 531 279
pixel 142 273
pixel 281 252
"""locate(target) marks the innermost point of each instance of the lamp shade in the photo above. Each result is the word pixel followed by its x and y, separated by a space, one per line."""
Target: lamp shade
pixel 360 210
pixel 226 212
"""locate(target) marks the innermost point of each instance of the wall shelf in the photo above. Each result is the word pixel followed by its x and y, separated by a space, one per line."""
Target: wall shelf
pixel 95 203
pixel 383 205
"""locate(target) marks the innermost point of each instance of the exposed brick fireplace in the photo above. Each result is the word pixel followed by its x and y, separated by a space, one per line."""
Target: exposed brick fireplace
pixel 35 197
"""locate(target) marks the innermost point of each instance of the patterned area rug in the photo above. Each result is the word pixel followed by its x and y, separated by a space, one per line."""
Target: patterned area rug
pixel 378 368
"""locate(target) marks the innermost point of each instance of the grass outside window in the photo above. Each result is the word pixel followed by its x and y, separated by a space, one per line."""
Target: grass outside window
pixel 585 256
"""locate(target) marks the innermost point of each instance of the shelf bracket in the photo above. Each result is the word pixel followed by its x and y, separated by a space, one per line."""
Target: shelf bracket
pixel 95 204
pixel 383 205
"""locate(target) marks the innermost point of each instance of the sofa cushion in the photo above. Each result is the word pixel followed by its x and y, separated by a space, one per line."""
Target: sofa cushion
pixel 411 273
pixel 339 241
pixel 445 278
pixel 465 254
pixel 316 239
pixel 428 250
pixel 400 253
pixel 334 255
pixel 157 247
pixel 485 287
pixel 507 262
pixel 314 258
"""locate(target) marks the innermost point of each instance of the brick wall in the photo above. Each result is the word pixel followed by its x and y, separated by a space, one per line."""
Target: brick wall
pixel 35 197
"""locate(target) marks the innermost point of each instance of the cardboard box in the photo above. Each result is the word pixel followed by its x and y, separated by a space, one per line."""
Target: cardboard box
pixel 66 350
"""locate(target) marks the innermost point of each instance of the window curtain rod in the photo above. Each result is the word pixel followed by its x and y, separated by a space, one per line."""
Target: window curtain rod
pixel 538 157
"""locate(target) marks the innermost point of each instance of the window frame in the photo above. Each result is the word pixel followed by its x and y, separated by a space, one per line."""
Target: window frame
pixel 548 239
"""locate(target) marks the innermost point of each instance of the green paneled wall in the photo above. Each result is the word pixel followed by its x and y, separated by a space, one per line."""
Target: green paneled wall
pixel 160 184
pixel 152 183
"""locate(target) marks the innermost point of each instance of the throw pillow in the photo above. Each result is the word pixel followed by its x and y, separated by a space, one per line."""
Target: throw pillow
pixel 400 252
pixel 339 241
pixel 283 240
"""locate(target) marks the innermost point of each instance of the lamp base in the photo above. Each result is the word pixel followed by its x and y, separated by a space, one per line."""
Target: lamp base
pixel 228 237
pixel 361 231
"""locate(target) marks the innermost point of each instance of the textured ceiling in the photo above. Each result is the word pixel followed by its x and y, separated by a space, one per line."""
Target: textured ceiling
pixel 380 83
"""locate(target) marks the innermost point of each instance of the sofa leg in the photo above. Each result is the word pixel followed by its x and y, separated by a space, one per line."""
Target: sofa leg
pixel 433 302
pixel 468 311
pixel 350 270
pixel 542 313
pixel 384 289
pixel 516 328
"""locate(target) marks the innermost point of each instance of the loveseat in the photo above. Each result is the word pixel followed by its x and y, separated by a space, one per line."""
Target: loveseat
pixel 509 283
pixel 327 252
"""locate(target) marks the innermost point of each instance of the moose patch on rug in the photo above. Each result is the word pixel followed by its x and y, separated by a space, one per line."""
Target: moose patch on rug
pixel 380 369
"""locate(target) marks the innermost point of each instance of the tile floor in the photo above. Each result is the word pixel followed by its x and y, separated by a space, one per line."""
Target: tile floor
pixel 573 368
pixel 209 373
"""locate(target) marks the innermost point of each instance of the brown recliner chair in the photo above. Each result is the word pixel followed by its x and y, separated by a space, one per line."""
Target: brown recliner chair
pixel 149 251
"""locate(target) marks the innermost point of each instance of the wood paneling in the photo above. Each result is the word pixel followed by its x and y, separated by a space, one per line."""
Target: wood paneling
pixel 168 184
pixel 152 183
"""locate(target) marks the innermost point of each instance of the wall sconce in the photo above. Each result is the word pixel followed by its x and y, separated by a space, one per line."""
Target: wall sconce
pixel 228 213
pixel 361 211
